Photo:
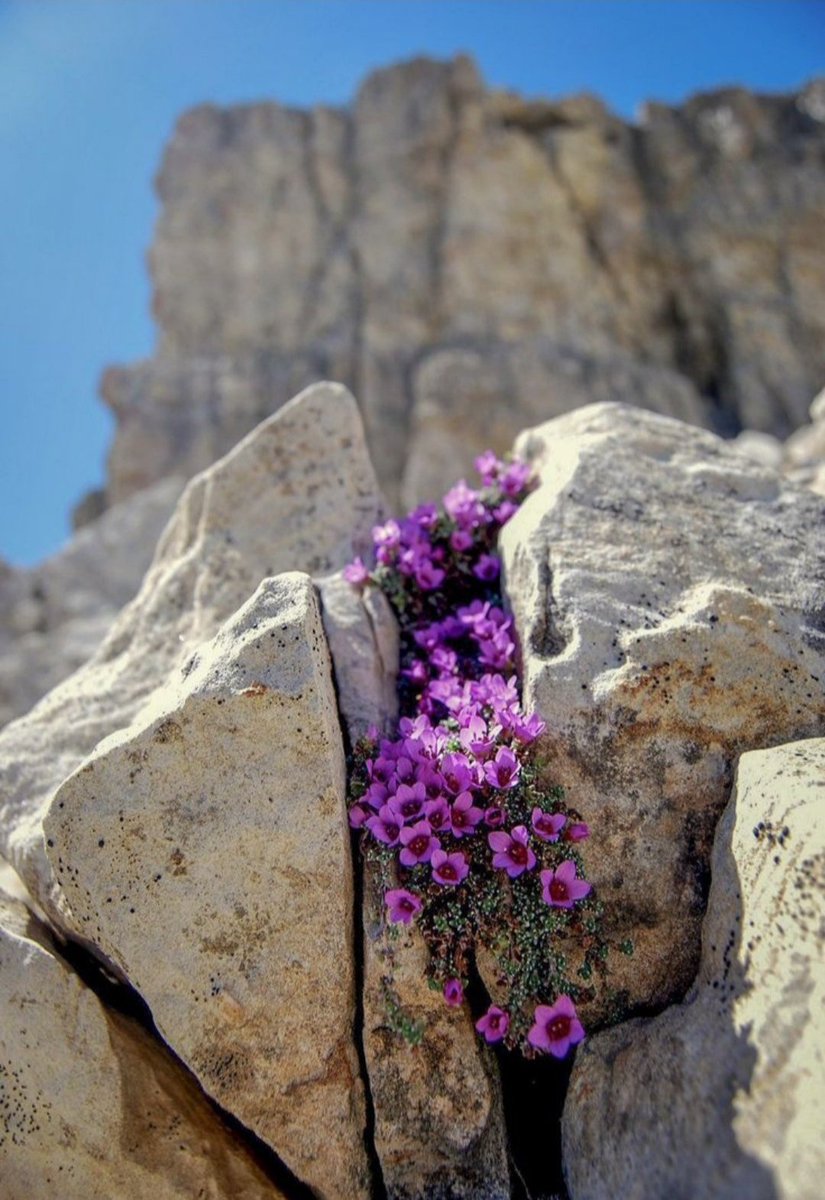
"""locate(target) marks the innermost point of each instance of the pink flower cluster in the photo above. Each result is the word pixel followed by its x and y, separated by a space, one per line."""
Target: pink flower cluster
pixel 438 794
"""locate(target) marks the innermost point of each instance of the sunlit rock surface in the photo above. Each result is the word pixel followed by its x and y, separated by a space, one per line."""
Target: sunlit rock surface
pixel 721 1097
pixel 668 597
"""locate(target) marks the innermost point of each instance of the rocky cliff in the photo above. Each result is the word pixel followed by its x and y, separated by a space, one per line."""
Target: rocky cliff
pixel 471 262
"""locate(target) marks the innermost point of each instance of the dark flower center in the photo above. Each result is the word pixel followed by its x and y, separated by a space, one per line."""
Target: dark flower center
pixel 407 905
pixel 518 854
pixel 558 890
pixel 410 807
pixel 419 844
pixel 391 830
pixel 459 818
pixel 447 871
pixel 504 774
pixel 558 1028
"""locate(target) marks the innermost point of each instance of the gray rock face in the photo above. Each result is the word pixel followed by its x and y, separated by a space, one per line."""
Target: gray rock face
pixel 298 493
pixel 90 1107
pixel 543 254
pixel 721 1097
pixel 668 597
pixel 53 617
pixel 204 850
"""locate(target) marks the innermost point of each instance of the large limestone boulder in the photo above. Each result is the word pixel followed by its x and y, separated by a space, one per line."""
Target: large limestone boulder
pixel 668 597
pixel 721 1097
pixel 91 1108
pixel 204 851
pixel 53 617
pixel 298 493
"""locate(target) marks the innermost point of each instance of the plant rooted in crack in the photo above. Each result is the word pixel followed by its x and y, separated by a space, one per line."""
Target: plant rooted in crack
pixel 469 840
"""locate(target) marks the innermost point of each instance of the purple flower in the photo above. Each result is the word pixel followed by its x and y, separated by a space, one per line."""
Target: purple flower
pixel 408 802
pixel 474 735
pixel 529 728
pixel 488 467
pixel 577 832
pixel 505 511
pixel 418 843
pixel 376 795
pixel 425 516
pixel 504 770
pixel 416 673
pixel 453 993
pixel 428 577
pixel 464 816
pixel 547 826
pixel 556 1027
pixel 561 888
pixel 386 827
pixel 494 1024
pixel 512 851
pixel 403 905
pixel 386 539
pixel 514 479
pixel 461 540
pixel 456 772
pixel 356 573
pixel 494 817
pixel 487 568
pixel 449 869
pixel 437 813
pixel 357 816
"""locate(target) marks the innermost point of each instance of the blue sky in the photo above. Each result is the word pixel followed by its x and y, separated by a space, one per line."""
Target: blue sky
pixel 90 89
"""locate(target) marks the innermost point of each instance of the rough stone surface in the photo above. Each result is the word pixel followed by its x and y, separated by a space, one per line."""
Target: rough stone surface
pixel 54 616
pixel 91 1108
pixel 204 850
pixel 803 455
pixel 362 634
pixel 668 596
pixel 562 253
pixel 720 1098
pixel 297 494
pixel 439 1119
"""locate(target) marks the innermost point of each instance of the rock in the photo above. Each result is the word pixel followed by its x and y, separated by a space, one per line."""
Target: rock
pixel 438 1114
pixel 204 851
pixel 803 455
pixel 439 1118
pixel 761 448
pixel 54 616
pixel 720 1097
pixel 90 1107
pixel 668 599
pixel 434 217
pixel 362 634
pixel 298 493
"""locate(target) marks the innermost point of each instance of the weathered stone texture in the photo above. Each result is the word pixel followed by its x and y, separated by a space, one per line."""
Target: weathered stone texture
pixel 297 494
pixel 204 851
pixel 54 616
pixel 566 255
pixel 91 1108
pixel 668 596
pixel 721 1097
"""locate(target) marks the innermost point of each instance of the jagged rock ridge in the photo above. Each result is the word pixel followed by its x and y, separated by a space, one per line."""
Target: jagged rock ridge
pixel 471 262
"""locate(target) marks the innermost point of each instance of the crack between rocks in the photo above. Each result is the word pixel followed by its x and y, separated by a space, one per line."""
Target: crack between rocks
pixel 378 1187
pixel 121 998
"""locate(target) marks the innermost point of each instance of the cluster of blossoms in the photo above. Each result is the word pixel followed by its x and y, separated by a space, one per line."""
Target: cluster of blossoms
pixel 452 808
